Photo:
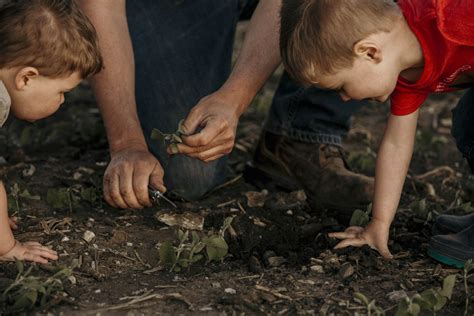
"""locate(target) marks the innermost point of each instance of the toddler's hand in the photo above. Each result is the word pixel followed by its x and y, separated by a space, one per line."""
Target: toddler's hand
pixel 375 234
pixel 13 221
pixel 30 251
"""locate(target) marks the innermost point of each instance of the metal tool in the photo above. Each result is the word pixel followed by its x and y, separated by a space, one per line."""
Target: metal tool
pixel 156 195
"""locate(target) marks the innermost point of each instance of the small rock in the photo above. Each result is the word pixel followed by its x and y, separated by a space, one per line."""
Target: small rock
pixel 216 285
pixel 267 254
pixel 65 239
pixel 397 296
pixel 276 261
pixel 29 172
pixel 129 244
pixel 88 236
pixel 289 212
pixel 346 270
pixel 300 195
pixel 3 161
pixel 206 309
pixel 97 291
pixel 230 291
pixel 72 279
pixel 317 268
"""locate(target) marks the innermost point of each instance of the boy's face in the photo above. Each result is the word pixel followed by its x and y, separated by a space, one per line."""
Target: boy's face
pixel 35 97
pixel 365 80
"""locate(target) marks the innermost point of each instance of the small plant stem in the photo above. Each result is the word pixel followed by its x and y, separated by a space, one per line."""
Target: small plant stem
pixel 466 289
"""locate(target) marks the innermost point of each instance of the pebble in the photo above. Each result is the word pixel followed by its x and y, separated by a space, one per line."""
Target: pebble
pixel 216 285
pixel 129 244
pixel 65 239
pixel 276 261
pixel 317 268
pixel 72 279
pixel 230 290
pixel 289 212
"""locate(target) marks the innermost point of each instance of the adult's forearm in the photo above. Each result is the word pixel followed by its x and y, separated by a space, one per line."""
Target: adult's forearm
pixel 114 86
pixel 259 56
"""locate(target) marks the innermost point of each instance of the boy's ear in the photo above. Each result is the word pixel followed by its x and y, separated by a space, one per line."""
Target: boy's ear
pixel 369 50
pixel 24 76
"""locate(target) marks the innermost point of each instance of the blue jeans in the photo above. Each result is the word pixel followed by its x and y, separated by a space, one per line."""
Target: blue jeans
pixel 463 125
pixel 183 51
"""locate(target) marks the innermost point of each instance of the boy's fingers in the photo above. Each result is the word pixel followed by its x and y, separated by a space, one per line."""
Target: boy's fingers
pixel 355 229
pixel 34 258
pixel 385 252
pixel 355 242
pixel 343 235
pixel 32 243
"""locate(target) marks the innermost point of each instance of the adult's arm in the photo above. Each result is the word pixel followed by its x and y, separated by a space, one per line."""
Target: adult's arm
pixel 218 114
pixel 132 166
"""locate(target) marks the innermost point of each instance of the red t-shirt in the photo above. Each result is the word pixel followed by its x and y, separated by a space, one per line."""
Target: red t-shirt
pixel 445 30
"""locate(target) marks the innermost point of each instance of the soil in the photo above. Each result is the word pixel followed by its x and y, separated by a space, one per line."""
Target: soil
pixel 280 259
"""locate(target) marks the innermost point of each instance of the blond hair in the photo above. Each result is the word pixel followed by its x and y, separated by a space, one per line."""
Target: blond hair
pixel 53 36
pixel 317 36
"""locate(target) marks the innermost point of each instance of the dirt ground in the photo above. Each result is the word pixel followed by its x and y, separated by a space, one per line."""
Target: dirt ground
pixel 280 260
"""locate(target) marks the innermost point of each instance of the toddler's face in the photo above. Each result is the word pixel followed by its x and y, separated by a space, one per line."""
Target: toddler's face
pixel 43 96
pixel 365 80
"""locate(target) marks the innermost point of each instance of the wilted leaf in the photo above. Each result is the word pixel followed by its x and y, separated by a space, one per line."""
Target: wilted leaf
pixel 174 148
pixel 361 297
pixel 469 266
pixel 157 135
pixel 58 198
pixel 89 195
pixel 419 208
pixel 256 199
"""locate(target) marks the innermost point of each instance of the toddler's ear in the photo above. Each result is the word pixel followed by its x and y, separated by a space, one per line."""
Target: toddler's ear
pixel 368 50
pixel 24 77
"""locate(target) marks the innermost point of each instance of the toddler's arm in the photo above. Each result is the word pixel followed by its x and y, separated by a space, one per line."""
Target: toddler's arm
pixel 393 160
pixel 10 249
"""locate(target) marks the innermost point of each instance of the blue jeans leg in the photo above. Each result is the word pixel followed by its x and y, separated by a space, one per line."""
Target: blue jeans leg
pixel 463 125
pixel 183 52
pixel 310 115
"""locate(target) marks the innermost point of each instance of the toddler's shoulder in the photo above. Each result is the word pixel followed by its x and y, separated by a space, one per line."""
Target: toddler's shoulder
pixel 455 20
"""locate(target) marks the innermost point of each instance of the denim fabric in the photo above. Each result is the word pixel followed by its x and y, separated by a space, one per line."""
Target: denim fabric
pixel 310 115
pixel 183 52
pixel 463 127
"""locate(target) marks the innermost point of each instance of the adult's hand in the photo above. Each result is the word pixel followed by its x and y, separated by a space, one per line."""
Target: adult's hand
pixel 128 175
pixel 211 126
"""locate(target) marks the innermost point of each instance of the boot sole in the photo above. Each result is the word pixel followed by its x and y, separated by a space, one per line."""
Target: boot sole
pixel 447 255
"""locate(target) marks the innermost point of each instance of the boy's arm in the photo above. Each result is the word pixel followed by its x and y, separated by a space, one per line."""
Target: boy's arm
pixel 393 160
pixel 10 249
pixel 132 166
pixel 219 112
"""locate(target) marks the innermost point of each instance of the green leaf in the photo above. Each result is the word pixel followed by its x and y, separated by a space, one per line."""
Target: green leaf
pixel 359 218
pixel 216 248
pixel 58 198
pixel 362 298
pixel 420 209
pixel 199 247
pixel 20 267
pixel 167 254
pixel 89 195
pixel 469 266
pixel 183 262
pixel 448 285
pixel 157 135
pixel 196 238
pixel 174 149
pixel 196 258
pixel 177 139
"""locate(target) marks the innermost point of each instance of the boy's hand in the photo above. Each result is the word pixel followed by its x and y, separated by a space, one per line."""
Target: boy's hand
pixel 13 221
pixel 30 251
pixel 375 234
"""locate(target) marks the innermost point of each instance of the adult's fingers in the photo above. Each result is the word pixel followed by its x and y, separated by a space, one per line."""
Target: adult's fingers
pixel 112 191
pixel 126 189
pixel 156 178
pixel 213 127
pixel 219 150
pixel 141 178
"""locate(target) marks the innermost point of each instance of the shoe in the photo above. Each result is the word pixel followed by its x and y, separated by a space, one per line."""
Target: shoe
pixel 453 249
pixel 319 169
pixel 449 224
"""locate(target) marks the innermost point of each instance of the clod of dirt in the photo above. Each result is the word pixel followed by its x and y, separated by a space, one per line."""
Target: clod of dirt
pixel 317 268
pixel 276 261
pixel 346 270
pixel 256 199
pixel 255 265
pixel 397 296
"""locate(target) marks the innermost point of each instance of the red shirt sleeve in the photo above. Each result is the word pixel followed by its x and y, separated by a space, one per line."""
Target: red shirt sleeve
pixel 404 102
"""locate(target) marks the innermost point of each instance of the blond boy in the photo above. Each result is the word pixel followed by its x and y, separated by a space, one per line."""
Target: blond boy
pixel 47 48
pixel 379 49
